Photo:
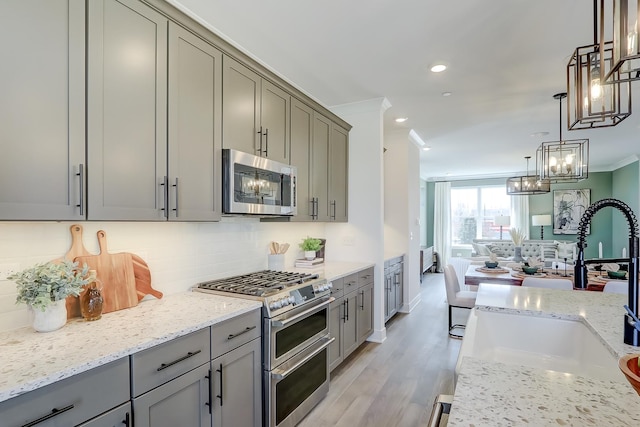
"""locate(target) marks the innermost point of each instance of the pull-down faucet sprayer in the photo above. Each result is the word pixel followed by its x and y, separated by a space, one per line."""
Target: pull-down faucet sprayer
pixel 631 332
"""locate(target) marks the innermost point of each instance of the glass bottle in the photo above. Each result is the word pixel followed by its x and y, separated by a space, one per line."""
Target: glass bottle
pixel 91 299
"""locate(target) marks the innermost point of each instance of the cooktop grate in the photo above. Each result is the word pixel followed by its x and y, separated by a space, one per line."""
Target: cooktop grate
pixel 260 283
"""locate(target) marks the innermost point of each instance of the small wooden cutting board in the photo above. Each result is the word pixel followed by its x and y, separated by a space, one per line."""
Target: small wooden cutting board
pixel 115 271
pixel 143 278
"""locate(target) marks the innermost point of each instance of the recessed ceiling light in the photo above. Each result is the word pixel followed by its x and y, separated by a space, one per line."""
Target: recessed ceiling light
pixel 538 134
pixel 401 119
pixel 426 148
pixel 438 68
pixel 446 93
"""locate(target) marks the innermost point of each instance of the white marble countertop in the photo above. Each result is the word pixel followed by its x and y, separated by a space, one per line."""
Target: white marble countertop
pixel 29 360
pixel 496 394
pixel 335 270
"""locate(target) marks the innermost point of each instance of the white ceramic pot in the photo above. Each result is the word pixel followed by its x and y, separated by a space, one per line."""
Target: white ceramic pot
pixel 310 255
pixel 53 317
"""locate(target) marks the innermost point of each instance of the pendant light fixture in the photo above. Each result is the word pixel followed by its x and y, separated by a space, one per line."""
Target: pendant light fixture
pixel 592 103
pixel 527 184
pixel 563 160
pixel 619 18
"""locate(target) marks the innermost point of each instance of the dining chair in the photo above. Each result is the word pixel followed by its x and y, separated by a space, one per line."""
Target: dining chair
pixel 541 282
pixel 616 288
pixel 456 298
pixel 460 266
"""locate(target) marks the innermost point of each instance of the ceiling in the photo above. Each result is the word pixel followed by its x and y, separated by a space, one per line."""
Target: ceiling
pixel 506 59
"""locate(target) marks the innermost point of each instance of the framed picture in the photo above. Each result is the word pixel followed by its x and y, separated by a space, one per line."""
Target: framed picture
pixel 568 208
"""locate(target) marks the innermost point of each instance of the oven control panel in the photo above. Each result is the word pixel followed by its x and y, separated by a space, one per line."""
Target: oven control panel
pixel 298 296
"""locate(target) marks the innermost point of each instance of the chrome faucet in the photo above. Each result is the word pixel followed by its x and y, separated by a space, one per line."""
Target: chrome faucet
pixel 631 326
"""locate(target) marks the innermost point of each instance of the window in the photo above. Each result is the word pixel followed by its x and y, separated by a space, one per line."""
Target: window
pixel 473 210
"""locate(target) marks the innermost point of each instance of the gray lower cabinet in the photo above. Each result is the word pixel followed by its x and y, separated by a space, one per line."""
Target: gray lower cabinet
pixel 236 387
pixel 350 315
pixel 393 284
pixel 256 113
pixel 74 400
pixel 42 123
pixel 183 401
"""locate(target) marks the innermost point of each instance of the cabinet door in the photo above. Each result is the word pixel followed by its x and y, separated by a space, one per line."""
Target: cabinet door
pixel 398 282
pixel 319 162
pixel 42 110
pixel 117 417
pixel 336 310
pixel 350 329
pixel 274 120
pixel 338 174
pixel 127 111
pixel 195 123
pixel 241 107
pixel 301 134
pixel 183 401
pixel 364 317
pixel 390 296
pixel 236 387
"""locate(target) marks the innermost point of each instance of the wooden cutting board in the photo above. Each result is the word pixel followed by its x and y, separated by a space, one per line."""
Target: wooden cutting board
pixel 143 278
pixel 115 271
pixel 77 249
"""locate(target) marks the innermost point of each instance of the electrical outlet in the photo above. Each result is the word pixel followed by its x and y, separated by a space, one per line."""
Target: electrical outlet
pixel 7 269
pixel 348 241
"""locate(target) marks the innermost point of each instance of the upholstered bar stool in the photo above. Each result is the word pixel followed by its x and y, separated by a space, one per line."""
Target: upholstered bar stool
pixel 456 298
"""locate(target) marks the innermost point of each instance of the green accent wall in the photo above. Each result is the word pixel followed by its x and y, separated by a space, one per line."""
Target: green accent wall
pixel 625 187
pixel 607 226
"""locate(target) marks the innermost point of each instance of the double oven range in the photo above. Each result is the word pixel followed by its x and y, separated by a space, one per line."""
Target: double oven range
pixel 295 338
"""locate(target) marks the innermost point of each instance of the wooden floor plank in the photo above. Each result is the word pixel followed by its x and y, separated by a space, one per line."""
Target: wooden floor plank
pixel 396 382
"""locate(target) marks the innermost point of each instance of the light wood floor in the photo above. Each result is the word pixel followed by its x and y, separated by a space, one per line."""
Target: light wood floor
pixel 395 383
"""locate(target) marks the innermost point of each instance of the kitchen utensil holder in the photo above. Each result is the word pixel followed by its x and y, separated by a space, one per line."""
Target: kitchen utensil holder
pixel 276 262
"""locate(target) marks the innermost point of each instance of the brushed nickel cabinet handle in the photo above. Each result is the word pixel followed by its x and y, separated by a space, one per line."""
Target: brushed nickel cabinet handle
pixel 185 357
pixel 220 395
pixel 80 174
pixel 247 329
pixel 266 142
pixel 165 193
pixel 176 187
pixel 54 412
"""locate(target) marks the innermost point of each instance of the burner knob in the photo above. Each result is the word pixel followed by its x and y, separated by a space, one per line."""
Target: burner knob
pixel 329 285
pixel 285 301
pixel 291 300
pixel 275 305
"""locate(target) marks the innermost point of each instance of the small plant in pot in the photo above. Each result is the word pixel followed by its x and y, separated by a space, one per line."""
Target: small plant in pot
pixel 310 246
pixel 45 288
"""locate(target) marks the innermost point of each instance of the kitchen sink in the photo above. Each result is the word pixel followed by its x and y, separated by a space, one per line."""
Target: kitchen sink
pixel 540 342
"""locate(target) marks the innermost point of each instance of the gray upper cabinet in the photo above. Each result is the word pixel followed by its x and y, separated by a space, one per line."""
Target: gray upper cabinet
pixel 195 118
pixel 319 162
pixel 301 137
pixel 127 104
pixel 338 174
pixel 42 123
pixel 255 113
pixel 154 153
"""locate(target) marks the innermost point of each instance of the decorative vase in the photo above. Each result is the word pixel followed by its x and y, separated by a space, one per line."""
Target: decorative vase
pixel 53 317
pixel 310 255
pixel 91 302
pixel 517 256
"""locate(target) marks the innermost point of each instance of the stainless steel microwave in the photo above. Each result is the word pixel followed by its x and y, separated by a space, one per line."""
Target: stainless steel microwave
pixel 257 185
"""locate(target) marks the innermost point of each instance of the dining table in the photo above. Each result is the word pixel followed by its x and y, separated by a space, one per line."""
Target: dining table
pixel 477 274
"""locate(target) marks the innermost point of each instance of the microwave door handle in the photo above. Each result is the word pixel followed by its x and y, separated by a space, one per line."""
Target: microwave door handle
pixel 292 319
pixel 278 374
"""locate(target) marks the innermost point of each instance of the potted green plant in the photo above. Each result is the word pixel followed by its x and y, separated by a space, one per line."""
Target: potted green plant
pixel 45 288
pixel 310 246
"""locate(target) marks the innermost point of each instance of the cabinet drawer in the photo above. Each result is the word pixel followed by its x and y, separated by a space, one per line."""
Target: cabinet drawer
pixel 365 277
pixel 73 400
pixel 350 283
pixel 157 365
pixel 235 332
pixel 117 417
pixel 337 289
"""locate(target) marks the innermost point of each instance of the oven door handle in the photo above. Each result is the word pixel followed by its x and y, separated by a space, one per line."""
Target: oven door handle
pixel 279 374
pixel 292 319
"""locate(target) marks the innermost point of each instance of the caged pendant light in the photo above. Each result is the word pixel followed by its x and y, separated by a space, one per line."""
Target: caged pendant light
pixel 619 20
pixel 592 103
pixel 564 160
pixel 527 184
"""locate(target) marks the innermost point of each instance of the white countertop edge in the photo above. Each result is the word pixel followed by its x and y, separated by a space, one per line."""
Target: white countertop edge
pixel 10 389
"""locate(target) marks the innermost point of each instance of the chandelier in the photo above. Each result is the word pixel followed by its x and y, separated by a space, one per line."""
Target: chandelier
pixel 527 184
pixel 563 160
pixel 592 103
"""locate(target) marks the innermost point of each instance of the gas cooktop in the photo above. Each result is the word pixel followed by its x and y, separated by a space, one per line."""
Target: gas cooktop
pixel 258 284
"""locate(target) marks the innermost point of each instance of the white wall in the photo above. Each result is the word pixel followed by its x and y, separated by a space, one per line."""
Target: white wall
pixel 402 209
pixel 179 254
pixel 362 238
